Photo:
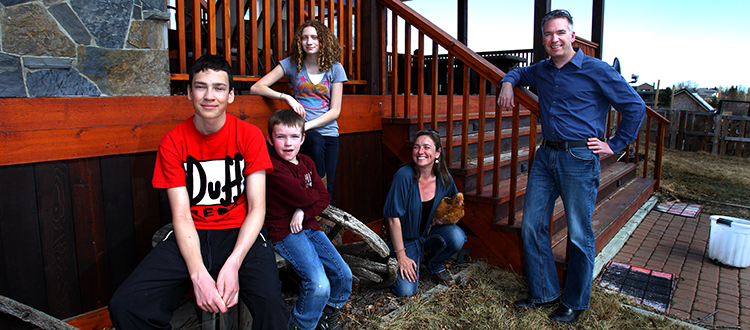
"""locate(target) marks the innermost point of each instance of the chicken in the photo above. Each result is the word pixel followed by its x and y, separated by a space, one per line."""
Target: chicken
pixel 450 210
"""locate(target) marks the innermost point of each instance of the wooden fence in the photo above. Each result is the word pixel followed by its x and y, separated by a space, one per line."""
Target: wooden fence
pixel 724 135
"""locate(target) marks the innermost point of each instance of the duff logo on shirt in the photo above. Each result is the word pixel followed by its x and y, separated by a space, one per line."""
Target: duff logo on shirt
pixel 215 182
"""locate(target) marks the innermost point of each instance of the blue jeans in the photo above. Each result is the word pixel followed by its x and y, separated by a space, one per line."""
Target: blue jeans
pixel 326 278
pixel 441 243
pixel 574 175
pixel 324 152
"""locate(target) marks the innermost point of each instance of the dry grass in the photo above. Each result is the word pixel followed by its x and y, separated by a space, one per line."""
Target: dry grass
pixel 721 184
pixel 485 302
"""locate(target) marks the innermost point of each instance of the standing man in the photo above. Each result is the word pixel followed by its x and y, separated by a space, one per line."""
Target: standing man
pixel 575 92
pixel 213 166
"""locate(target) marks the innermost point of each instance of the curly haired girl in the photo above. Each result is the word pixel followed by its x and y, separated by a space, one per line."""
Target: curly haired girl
pixel 317 79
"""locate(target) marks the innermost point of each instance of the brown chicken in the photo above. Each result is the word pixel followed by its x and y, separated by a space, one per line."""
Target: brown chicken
pixel 450 210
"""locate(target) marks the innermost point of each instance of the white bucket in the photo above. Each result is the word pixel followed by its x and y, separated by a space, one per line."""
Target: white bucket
pixel 729 241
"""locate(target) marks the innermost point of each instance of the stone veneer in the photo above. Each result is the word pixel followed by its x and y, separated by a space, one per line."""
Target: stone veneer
pixel 83 48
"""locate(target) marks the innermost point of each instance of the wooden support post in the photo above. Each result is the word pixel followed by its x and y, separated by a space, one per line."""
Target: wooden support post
pixel 724 129
pixel 597 26
pixel 541 8
pixel 674 128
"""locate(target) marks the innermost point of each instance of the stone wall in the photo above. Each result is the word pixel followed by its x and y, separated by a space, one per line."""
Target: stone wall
pixel 83 48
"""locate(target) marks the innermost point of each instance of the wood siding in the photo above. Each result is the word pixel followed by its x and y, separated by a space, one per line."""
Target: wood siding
pixel 47 129
pixel 78 212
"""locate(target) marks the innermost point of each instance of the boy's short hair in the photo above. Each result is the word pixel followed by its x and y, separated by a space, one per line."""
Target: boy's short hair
pixel 286 117
pixel 213 62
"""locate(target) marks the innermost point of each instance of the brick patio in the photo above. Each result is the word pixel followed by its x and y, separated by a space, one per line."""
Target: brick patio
pixel 679 245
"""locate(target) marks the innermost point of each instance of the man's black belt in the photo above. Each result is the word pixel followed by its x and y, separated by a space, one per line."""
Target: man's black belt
pixel 565 145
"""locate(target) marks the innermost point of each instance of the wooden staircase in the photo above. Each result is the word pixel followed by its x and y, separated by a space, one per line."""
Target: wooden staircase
pixel 491 235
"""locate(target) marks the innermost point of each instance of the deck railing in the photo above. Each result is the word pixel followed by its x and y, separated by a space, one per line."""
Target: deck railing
pixel 263 36
pixel 661 129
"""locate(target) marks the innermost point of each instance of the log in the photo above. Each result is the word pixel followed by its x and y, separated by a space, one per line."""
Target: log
pixel 354 261
pixel 280 261
pixel 352 224
pixel 161 234
pixel 32 315
pixel 366 274
pixel 351 248
pixel 392 273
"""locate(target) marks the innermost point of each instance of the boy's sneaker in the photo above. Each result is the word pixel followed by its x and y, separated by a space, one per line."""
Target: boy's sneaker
pixel 446 278
pixel 329 320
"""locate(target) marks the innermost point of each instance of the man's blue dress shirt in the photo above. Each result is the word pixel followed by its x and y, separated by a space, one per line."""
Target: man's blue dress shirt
pixel 574 100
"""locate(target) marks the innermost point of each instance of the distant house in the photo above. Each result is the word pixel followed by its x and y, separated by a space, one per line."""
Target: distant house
pixel 688 99
pixel 645 87
pixel 647 93
pixel 707 92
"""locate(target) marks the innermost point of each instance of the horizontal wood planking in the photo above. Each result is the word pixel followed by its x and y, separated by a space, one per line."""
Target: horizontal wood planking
pixel 46 129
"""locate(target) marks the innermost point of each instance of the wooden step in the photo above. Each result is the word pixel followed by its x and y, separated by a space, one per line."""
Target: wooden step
pixel 606 175
pixel 465 177
pixel 610 215
pixel 611 177
pixel 489 143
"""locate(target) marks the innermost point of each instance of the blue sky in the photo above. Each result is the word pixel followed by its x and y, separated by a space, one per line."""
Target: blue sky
pixel 707 42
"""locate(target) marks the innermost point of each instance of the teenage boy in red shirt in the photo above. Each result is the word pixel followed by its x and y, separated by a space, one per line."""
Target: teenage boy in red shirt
pixel 214 167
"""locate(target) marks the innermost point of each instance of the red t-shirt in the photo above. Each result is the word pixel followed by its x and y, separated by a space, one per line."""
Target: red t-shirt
pixel 213 169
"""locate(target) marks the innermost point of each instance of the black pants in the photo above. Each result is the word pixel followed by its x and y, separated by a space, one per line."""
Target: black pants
pixel 324 152
pixel 149 296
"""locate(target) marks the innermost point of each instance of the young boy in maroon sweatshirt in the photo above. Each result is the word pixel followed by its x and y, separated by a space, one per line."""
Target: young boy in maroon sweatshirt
pixel 295 194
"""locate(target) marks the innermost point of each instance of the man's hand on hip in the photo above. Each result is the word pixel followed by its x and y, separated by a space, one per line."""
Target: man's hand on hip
pixel 599 146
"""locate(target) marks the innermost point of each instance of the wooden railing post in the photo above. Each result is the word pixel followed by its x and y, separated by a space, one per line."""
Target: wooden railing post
pixel 181 46
pixel 497 149
pixel 659 155
pixel 394 63
pixel 449 111
pixel 241 55
pixel 434 87
pixel 465 118
pixel 514 165
pixel 481 133
pixel 407 70
pixel 197 29
pixel 647 147
pixel 420 82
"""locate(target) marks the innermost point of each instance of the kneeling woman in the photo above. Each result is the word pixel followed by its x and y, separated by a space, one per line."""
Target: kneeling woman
pixel 415 193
